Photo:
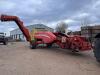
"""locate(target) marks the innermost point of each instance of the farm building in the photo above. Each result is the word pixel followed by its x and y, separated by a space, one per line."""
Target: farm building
pixel 17 34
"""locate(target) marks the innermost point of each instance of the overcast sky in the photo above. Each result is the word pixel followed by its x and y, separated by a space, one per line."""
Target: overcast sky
pixel 51 12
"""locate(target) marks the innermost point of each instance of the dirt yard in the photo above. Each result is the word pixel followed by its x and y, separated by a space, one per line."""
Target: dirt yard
pixel 19 59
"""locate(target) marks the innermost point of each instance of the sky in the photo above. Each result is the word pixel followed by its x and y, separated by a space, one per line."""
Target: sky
pixel 50 12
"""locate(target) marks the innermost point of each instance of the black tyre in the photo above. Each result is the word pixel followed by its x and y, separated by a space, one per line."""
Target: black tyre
pixel 5 43
pixel 49 45
pixel 97 49
pixel 32 46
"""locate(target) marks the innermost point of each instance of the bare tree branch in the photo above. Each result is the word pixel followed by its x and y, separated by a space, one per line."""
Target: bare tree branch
pixel 61 27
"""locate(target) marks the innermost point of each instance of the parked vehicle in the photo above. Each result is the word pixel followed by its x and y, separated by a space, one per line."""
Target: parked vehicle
pixel 3 39
pixel 97 47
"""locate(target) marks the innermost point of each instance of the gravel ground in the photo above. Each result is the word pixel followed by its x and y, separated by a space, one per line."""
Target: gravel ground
pixel 18 59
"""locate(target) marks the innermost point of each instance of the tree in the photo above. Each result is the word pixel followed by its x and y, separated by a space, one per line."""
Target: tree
pixel 61 27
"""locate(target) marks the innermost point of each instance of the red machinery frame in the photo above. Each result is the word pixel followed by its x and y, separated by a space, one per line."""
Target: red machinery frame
pixel 74 43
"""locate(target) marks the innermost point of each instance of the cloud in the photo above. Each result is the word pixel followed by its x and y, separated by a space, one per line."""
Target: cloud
pixel 6 5
pixel 51 12
pixel 68 21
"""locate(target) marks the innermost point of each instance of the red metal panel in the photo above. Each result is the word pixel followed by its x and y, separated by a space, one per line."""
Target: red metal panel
pixel 47 37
